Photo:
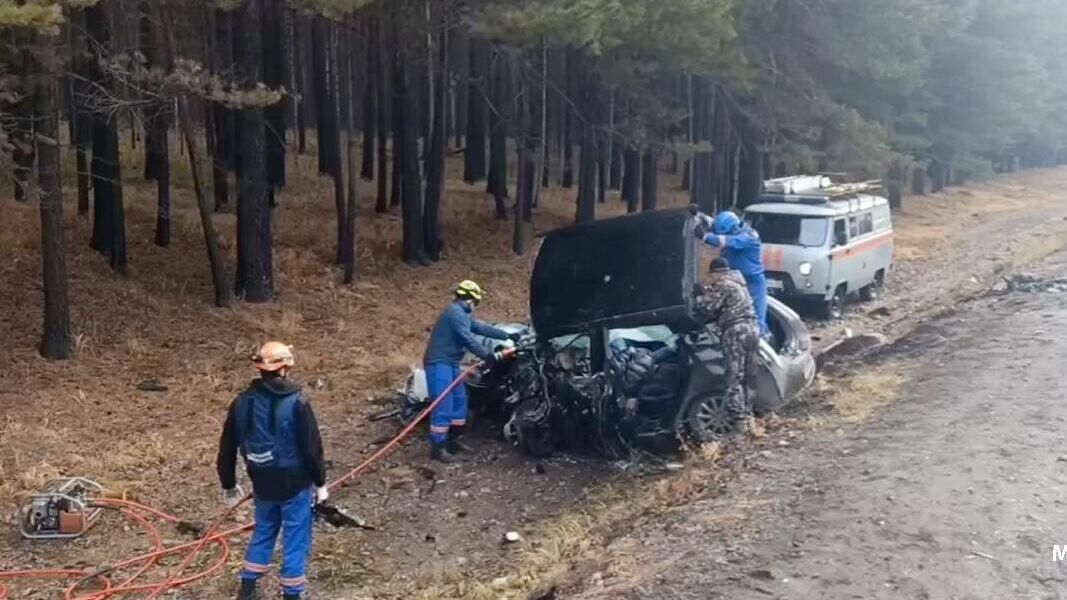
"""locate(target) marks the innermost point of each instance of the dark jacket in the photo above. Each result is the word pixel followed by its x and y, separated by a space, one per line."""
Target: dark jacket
pixel 270 483
pixel 453 334
pixel 725 300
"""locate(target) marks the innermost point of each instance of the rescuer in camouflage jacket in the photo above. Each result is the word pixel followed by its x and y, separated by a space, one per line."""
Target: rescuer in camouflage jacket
pixel 725 305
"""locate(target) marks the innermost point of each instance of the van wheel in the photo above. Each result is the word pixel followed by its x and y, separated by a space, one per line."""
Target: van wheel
pixel 708 418
pixel 871 291
pixel 834 308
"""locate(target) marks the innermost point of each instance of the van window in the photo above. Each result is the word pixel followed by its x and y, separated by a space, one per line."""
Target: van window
pixel 866 223
pixel 853 227
pixel 790 230
pixel 840 233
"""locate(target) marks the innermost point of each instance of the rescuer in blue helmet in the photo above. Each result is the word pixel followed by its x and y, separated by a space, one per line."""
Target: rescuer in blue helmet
pixel 740 245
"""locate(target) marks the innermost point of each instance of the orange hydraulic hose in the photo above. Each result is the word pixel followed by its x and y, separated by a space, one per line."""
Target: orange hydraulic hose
pixel 172 581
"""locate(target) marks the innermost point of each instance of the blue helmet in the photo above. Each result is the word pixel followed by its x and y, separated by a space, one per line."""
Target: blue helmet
pixel 726 222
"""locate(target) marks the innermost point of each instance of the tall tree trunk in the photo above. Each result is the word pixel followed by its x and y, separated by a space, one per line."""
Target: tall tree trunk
pixel 497 183
pixel 55 339
pixel 631 179
pixel 109 223
pixel 255 272
pixel 918 182
pixel 570 121
pixel 586 209
pixel 80 121
pixel 324 113
pixel 299 35
pixel 478 83
pixel 381 89
pixel 273 42
pixel 21 131
pixel 370 100
pixel 750 179
pixel 223 118
pixel 649 176
pixel 435 157
pixel 214 255
pixel 346 180
pixel 407 161
pixel 157 123
pixel 335 57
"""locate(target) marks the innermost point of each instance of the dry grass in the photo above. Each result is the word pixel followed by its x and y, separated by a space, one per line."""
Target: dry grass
pixel 928 223
pixel 555 546
pixel 856 397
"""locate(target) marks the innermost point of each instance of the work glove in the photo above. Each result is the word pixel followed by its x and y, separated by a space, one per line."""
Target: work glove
pixel 492 360
pixel 322 494
pixel 233 496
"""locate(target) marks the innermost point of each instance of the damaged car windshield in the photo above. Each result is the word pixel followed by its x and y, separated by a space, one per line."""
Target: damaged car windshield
pixel 791 230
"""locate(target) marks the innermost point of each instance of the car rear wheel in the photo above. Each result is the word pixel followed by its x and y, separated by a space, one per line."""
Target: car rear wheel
pixel 708 418
pixel 870 292
pixel 834 308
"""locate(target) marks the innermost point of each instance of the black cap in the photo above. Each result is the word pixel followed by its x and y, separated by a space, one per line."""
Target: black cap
pixel 719 264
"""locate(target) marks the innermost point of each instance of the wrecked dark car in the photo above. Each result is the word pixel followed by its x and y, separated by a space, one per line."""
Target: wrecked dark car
pixel 619 358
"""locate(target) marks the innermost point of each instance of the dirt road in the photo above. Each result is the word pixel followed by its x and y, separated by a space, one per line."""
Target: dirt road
pixel 955 490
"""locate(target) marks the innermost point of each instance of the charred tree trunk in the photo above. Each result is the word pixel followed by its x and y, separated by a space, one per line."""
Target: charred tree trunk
pixel 497 183
pixel 274 77
pixel 335 57
pixel 750 177
pixel 223 118
pixel 22 139
pixel 477 87
pixel 255 272
pixel 80 120
pixel 55 339
pixel 109 223
pixel 587 172
pixel 435 156
pixel 321 76
pixel 381 89
pixel 918 182
pixel 938 176
pixel 299 27
pixel 631 179
pixel 370 100
pixel 649 177
pixel 157 123
pixel 214 255
pixel 895 185
pixel 407 159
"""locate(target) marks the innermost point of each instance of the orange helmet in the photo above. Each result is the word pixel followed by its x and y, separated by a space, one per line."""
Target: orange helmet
pixel 274 356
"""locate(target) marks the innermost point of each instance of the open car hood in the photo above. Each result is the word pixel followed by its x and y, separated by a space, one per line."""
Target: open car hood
pixel 616 273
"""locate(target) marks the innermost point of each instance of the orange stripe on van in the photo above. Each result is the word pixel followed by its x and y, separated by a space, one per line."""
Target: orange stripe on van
pixel 866 245
pixel 773 257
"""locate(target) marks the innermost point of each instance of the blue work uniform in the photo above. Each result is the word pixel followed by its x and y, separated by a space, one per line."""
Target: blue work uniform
pixel 275 431
pixel 743 251
pixel 452 336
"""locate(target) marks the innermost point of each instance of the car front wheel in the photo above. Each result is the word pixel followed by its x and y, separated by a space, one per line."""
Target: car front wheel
pixel 708 418
pixel 834 308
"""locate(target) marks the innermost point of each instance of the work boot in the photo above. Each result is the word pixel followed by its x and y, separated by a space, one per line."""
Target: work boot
pixel 248 590
pixel 439 453
pixel 453 445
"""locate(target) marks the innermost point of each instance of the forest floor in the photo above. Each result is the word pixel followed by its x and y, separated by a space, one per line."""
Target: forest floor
pixel 438 529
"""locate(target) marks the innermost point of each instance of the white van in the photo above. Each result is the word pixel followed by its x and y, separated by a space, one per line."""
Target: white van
pixel 823 241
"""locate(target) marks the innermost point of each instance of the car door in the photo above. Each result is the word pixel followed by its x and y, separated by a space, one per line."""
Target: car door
pixel 839 264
